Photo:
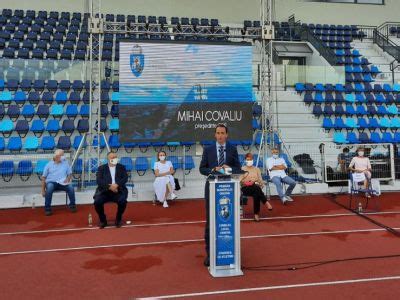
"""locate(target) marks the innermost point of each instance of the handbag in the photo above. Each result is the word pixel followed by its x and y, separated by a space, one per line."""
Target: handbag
pixel 177 185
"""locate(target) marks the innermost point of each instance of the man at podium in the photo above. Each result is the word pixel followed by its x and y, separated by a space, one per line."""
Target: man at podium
pixel 216 158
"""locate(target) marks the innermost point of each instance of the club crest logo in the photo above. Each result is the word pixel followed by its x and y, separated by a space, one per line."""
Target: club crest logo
pixel 137 60
pixel 224 208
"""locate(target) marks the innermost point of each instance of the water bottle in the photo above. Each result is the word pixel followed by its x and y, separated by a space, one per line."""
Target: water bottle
pixel 33 204
pixel 241 212
pixel 90 220
pixel 360 209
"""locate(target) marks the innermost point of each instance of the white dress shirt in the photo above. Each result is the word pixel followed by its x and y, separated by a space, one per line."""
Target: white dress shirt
pixel 272 162
pixel 112 172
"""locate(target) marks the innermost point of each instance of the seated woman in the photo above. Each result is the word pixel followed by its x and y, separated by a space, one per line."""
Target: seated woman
pixel 164 184
pixel 252 184
pixel 361 164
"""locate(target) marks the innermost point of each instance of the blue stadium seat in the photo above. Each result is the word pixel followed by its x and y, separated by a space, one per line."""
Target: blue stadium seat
pixel 359 88
pixel 7 170
pixel 395 124
pixel 61 97
pixel 77 141
pixel 339 97
pixel 77 85
pixel 83 126
pixel 381 110
pixel 328 110
pixel 396 137
pixel 68 127
pixel 392 109
pixel 373 123
pixel 64 143
pixel 387 137
pixel 26 85
pixel 20 98
pixel 384 123
pixel 13 112
pixel 319 87
pixel 339 123
pixel 5 97
pixel 350 111
pixel 308 98
pixel 52 85
pixel 53 127
pixel 362 123
pixel 327 123
pixel 65 85
pixel 361 110
pixel 6 127
pixel 352 138
pixel 363 137
pixel 396 88
pixel 75 97
pixel 387 88
pixel 350 124
pixel 375 137
pixel 141 165
pixel 22 128
pixel 128 164
pixel 339 110
pixel 37 127
pixel 360 98
pixel 350 98
pixel 371 110
pixel 114 125
pixel 299 87
pixel 24 169
pixel 57 111
pixel 34 98
pixel 31 143
pixel 2 144
pixel 71 111
pixel 47 143
pixel 113 142
pixel 188 164
pixel 14 144
pixel 318 97
pixel 115 97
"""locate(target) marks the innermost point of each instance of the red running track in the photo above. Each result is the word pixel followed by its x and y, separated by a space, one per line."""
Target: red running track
pixel 59 257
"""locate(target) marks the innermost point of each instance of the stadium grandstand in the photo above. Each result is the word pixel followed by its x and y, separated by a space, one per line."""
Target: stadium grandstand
pixel 323 81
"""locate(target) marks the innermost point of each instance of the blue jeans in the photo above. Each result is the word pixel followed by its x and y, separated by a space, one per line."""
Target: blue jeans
pixel 51 187
pixel 278 183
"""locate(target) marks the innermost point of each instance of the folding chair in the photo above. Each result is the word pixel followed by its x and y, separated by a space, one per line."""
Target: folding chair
pixel 356 186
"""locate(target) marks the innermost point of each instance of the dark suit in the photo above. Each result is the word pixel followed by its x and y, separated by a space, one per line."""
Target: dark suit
pixel 208 162
pixel 103 194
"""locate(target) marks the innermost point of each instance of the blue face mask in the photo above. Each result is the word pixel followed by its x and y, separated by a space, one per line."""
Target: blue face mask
pixel 275 155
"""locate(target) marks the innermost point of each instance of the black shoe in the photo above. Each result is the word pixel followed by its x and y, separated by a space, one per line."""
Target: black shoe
pixel 72 209
pixel 103 224
pixel 118 224
pixel 206 261
pixel 48 212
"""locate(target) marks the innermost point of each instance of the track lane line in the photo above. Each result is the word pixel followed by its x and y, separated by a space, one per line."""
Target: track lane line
pixel 187 241
pixel 191 222
pixel 276 287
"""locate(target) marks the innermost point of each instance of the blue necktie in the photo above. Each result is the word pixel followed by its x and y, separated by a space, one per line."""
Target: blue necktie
pixel 221 156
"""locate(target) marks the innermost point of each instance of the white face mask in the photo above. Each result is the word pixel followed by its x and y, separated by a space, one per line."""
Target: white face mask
pixel 249 163
pixel 360 153
pixel 62 158
pixel 275 155
pixel 162 157
pixel 114 161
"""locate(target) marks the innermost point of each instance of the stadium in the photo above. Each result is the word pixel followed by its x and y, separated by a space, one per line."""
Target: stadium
pixel 165 108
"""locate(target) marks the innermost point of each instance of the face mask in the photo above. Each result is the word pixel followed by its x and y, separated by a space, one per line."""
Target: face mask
pixel 63 158
pixel 249 163
pixel 360 153
pixel 162 157
pixel 114 161
pixel 275 155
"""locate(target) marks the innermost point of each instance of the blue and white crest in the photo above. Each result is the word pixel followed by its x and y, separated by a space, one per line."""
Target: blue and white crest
pixel 137 60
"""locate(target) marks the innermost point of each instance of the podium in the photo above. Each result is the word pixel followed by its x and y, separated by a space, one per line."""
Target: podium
pixel 225 226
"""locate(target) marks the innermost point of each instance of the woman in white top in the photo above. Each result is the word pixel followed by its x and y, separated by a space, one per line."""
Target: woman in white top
pixel 164 184
pixel 361 164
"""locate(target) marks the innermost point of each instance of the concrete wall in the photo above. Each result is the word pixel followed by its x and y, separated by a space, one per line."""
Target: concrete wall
pixel 231 11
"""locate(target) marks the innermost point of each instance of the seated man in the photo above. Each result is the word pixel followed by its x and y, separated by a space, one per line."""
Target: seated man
pixel 276 167
pixel 57 177
pixel 111 187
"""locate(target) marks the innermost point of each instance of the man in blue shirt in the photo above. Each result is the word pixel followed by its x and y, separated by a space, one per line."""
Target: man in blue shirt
pixel 57 177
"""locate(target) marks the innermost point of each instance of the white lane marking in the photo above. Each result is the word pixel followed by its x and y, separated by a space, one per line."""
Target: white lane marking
pixel 188 241
pixel 191 222
pixel 276 287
